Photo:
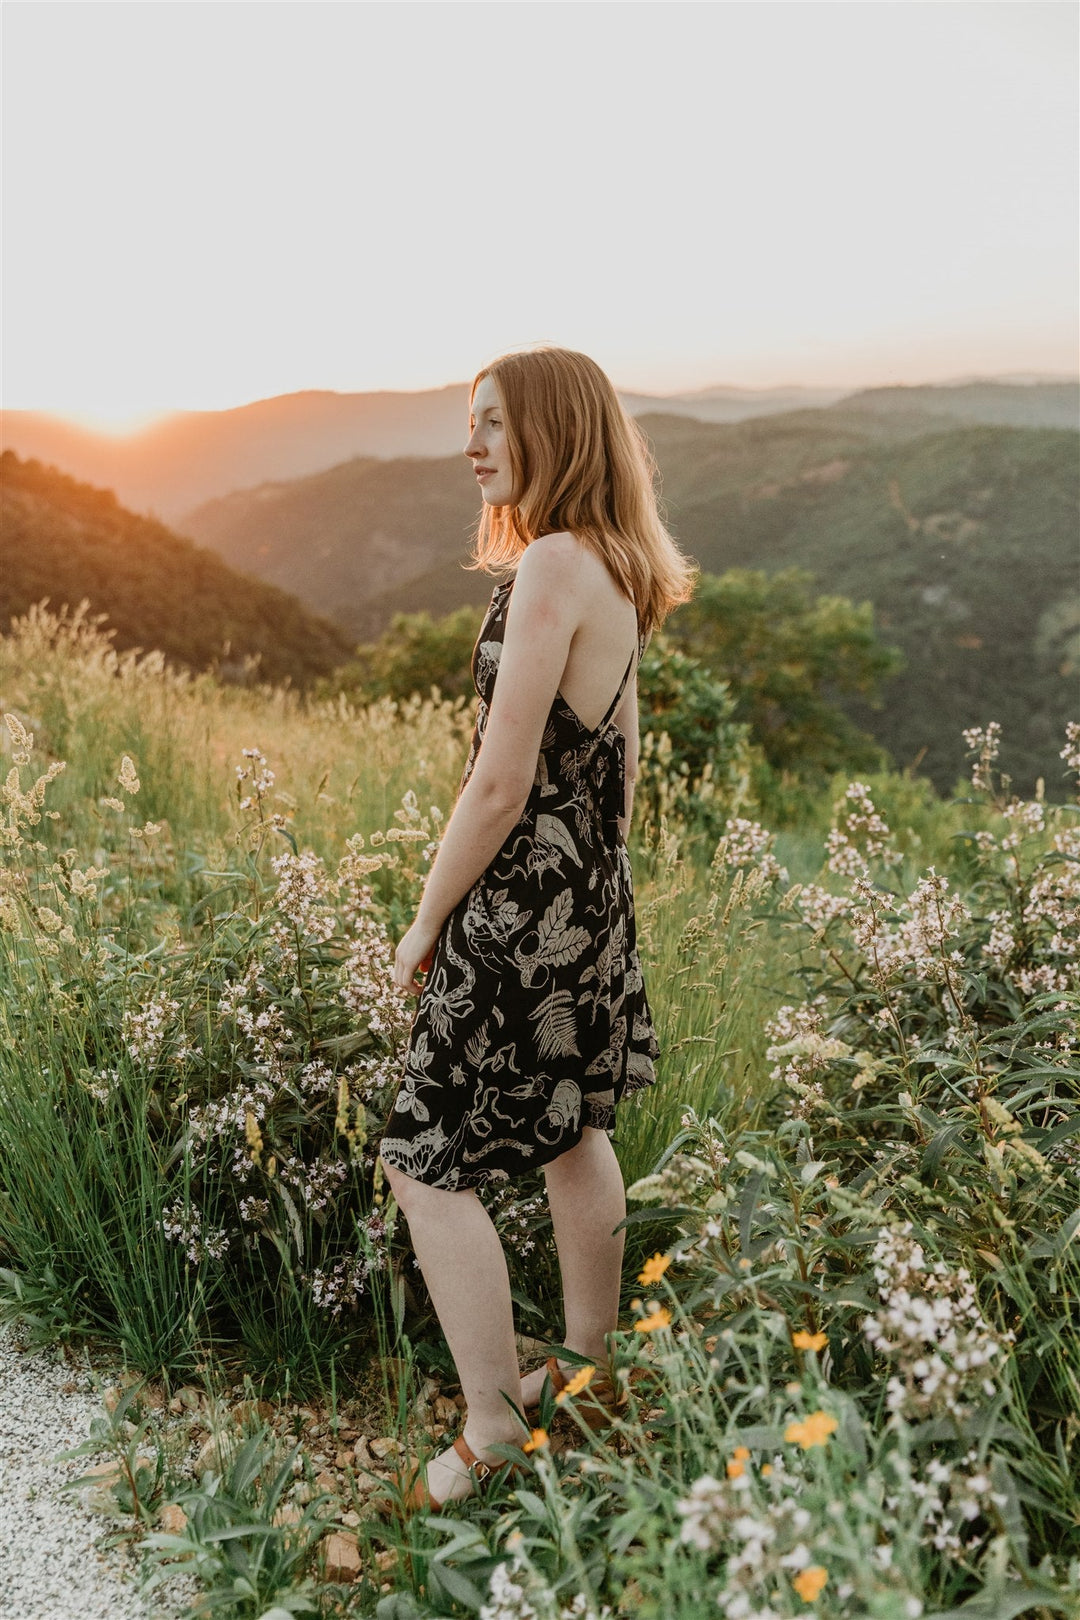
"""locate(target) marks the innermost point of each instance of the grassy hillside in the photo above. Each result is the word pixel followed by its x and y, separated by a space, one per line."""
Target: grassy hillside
pixel 68 541
pixel 347 541
pixel 963 537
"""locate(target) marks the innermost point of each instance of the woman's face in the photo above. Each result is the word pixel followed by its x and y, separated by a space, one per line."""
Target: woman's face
pixel 487 448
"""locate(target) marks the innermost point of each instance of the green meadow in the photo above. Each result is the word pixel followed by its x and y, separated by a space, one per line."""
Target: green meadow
pixel 850 1337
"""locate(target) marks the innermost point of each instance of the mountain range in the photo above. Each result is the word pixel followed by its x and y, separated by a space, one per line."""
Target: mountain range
pixel 961 535
pixel 951 509
pixel 188 457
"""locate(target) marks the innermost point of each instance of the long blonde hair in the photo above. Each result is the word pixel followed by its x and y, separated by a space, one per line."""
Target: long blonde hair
pixel 582 466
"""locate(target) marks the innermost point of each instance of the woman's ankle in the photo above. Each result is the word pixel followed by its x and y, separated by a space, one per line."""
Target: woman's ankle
pixel 481 1438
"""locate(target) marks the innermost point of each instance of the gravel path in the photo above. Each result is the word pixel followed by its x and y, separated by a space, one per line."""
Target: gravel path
pixel 49 1566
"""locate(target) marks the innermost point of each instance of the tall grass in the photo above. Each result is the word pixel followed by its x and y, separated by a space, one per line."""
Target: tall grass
pixel 863 1133
pixel 177 894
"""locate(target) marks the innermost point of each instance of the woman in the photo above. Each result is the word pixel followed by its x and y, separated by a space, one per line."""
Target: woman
pixel 533 1019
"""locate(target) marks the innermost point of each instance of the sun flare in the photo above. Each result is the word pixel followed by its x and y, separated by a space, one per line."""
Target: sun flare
pixel 117 424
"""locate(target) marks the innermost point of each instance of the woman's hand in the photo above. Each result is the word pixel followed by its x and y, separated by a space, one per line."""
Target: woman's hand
pixel 413 956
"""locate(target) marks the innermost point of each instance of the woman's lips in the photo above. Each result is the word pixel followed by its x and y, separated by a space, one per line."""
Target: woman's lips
pixel 482 475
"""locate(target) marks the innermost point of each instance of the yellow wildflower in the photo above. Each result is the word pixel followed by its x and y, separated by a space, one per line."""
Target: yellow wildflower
pixel 737 1466
pixel 810 1341
pixel 813 1431
pixel 254 1137
pixel 575 1385
pixel 341 1120
pixel 659 1317
pixel 766 1470
pixel 809 1582
pixel 537 1441
pixel 654 1269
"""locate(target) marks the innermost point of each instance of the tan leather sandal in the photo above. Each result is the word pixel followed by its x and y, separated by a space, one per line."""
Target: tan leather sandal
pixel 417 1496
pixel 598 1404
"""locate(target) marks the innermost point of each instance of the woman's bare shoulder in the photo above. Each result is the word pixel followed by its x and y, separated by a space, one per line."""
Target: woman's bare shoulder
pixel 562 560
pixel 556 556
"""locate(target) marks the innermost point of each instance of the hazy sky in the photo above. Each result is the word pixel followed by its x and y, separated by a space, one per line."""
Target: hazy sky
pixel 208 203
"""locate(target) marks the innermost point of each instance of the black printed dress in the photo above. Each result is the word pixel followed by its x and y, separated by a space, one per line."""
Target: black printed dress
pixel 533 1020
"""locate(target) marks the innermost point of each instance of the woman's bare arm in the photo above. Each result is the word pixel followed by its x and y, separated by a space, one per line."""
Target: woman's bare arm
pixel 541 620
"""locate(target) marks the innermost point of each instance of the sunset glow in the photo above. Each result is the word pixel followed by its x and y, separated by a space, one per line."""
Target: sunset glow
pixel 750 194
pixel 116 425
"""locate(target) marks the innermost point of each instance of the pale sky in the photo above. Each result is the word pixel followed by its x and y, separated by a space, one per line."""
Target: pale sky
pixel 210 203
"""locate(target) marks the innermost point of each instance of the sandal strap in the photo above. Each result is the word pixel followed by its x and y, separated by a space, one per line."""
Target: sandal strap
pixel 470 1459
pixel 598 1388
pixel 558 1378
pixel 419 1494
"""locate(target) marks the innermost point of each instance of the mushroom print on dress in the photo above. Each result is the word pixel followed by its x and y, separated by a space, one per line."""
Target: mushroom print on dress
pixel 533 1021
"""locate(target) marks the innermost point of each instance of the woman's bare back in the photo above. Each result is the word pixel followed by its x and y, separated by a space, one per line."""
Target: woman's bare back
pixel 602 645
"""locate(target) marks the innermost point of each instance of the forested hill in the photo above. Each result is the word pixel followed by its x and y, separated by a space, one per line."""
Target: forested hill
pixel 962 536
pixel 69 541
pixel 964 539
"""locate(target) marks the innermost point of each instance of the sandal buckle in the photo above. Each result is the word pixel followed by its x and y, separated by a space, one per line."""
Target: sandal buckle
pixel 481 1470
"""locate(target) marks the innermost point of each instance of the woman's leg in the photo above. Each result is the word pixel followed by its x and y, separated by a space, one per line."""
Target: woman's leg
pixel 464 1268
pixel 587 1200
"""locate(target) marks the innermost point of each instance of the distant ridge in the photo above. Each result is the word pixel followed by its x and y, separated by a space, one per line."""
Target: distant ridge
pixel 962 535
pixel 178 462
pixel 1011 404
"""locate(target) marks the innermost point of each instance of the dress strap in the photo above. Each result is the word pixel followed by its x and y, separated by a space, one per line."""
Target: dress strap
pixel 617 699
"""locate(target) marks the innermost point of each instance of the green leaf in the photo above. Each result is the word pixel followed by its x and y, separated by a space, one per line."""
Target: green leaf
pixel 1054 1243
pixel 936 1149
pixel 456 1585
pixel 531 1502
pixel 657 1212
pixel 1003 1603
pixel 233 1532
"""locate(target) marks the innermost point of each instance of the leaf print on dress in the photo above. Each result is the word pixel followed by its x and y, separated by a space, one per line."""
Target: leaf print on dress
pixel 505 917
pixel 536 981
pixel 557 943
pixel 407 1101
pixel 550 830
pixel 556 1025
